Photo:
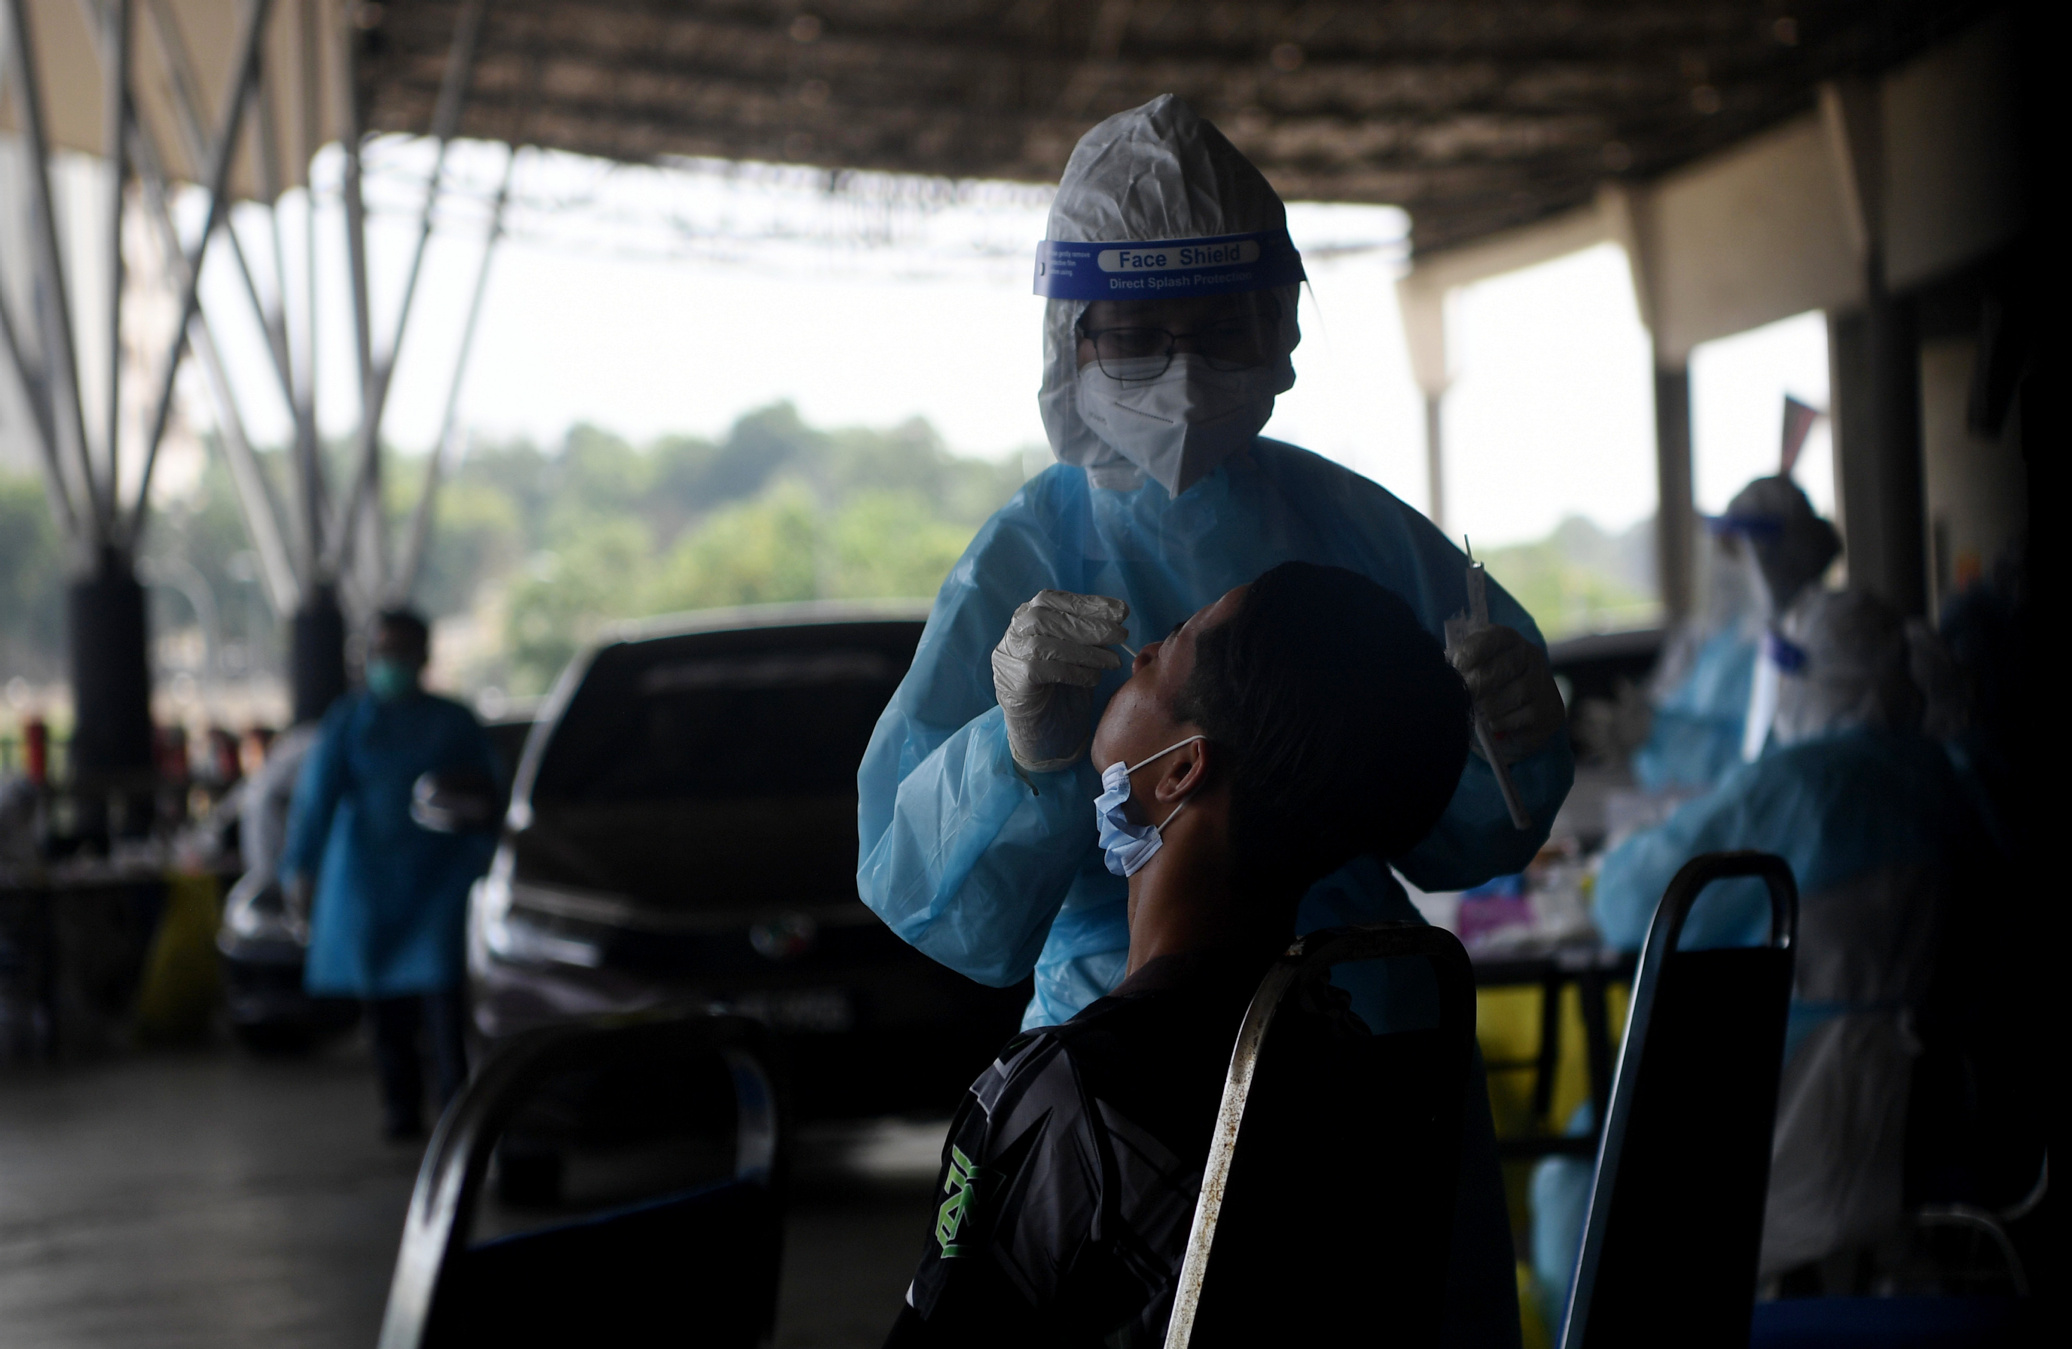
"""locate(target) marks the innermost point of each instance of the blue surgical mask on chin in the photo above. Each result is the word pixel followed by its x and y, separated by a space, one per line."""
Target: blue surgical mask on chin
pixel 1128 845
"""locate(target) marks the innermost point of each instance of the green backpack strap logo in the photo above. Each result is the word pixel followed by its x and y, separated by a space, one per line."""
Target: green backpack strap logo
pixel 960 1191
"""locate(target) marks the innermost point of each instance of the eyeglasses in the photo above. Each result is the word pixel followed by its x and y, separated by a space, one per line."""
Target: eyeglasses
pixel 1134 355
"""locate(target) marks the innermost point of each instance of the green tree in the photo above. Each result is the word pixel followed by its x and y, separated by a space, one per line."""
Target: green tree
pixel 478 535
pixel 1568 587
pixel 205 529
pixel 776 510
pixel 567 594
pixel 759 552
pixel 892 544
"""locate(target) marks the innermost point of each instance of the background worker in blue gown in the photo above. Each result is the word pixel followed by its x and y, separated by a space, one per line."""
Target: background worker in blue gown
pixel 977 844
pixel 1769 549
pixel 1860 795
pixel 390 897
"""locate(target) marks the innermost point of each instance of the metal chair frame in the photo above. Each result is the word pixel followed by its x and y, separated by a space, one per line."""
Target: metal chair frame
pixel 1310 957
pixel 1656 954
pixel 456 1164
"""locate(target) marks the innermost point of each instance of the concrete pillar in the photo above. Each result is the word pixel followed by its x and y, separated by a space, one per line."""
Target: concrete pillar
pixel 1875 353
pixel 316 656
pixel 1676 514
pixel 111 761
pixel 1435 459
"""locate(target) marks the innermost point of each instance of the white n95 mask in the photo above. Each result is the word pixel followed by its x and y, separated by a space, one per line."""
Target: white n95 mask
pixel 1181 425
pixel 1128 845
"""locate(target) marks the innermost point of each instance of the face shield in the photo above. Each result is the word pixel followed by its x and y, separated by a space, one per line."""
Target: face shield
pixel 1786 544
pixel 1155 205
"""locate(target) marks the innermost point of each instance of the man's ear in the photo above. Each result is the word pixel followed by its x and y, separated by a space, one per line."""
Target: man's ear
pixel 1185 772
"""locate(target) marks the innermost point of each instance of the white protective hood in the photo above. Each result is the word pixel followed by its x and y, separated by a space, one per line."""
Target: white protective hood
pixel 1856 661
pixel 1155 172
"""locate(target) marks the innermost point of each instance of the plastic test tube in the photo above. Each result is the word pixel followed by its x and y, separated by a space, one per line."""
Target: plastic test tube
pixel 1478 617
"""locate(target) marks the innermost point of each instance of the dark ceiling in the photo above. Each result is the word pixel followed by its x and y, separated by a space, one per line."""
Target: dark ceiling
pixel 1474 115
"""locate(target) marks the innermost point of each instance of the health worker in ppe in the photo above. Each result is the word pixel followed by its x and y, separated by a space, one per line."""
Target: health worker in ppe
pixel 1860 795
pixel 390 896
pixel 1170 320
pixel 1713 684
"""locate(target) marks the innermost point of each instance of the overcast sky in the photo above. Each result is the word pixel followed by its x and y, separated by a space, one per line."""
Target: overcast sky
pixel 652 301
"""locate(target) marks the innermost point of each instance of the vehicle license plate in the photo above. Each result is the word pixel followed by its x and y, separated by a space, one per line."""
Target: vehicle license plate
pixel 797 1009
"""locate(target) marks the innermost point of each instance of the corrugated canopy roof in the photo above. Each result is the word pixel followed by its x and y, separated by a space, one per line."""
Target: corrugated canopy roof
pixel 1475 115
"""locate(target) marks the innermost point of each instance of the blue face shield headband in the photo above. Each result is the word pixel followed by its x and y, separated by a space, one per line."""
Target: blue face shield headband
pixel 1129 846
pixel 1227 264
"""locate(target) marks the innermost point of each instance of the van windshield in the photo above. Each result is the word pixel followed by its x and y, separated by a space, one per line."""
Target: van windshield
pixel 686 769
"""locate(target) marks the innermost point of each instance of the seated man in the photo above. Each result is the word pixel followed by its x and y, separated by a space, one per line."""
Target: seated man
pixel 1294 724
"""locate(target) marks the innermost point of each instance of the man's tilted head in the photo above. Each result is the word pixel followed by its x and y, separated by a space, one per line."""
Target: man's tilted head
pixel 1330 716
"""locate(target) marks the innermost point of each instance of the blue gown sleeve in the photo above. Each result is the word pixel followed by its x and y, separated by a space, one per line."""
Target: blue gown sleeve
pixel 478 751
pixel 317 790
pixel 1402 550
pixel 1636 873
pixel 1696 736
pixel 963 855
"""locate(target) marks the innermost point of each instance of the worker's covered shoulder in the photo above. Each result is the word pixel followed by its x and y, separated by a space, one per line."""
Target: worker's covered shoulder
pixel 1859 799
pixel 1363 525
pixel 1022 535
pixel 1013 555
pixel 1834 808
pixel 1307 474
pixel 343 709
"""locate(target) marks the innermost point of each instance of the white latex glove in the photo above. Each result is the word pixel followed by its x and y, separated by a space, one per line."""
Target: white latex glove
pixel 1045 669
pixel 1512 687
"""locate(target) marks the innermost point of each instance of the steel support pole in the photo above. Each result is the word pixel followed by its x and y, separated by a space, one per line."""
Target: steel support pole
pixel 255 498
pixel 35 391
pixel 116 29
pixel 223 153
pixel 309 468
pixel 1435 458
pixel 35 395
pixel 53 308
pixel 453 93
pixel 421 517
pixel 271 181
pixel 366 469
pixel 316 643
pixel 187 106
pixel 453 90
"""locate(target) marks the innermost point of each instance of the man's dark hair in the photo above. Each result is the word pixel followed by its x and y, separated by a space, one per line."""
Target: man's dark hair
pixel 409 626
pixel 1344 726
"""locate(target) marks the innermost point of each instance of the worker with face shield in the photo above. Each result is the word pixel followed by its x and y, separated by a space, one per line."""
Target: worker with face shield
pixel 1169 328
pixel 1859 794
pixel 1714 694
pixel 1788 547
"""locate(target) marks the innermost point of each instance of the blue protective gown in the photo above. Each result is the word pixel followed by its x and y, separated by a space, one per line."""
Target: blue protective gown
pixel 996 872
pixel 1696 737
pixel 1857 812
pixel 391 897
pixel 1834 808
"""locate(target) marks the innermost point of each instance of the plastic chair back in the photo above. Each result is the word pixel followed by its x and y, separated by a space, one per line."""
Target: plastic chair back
pixel 1676 1207
pixel 636 1197
pixel 1327 1203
